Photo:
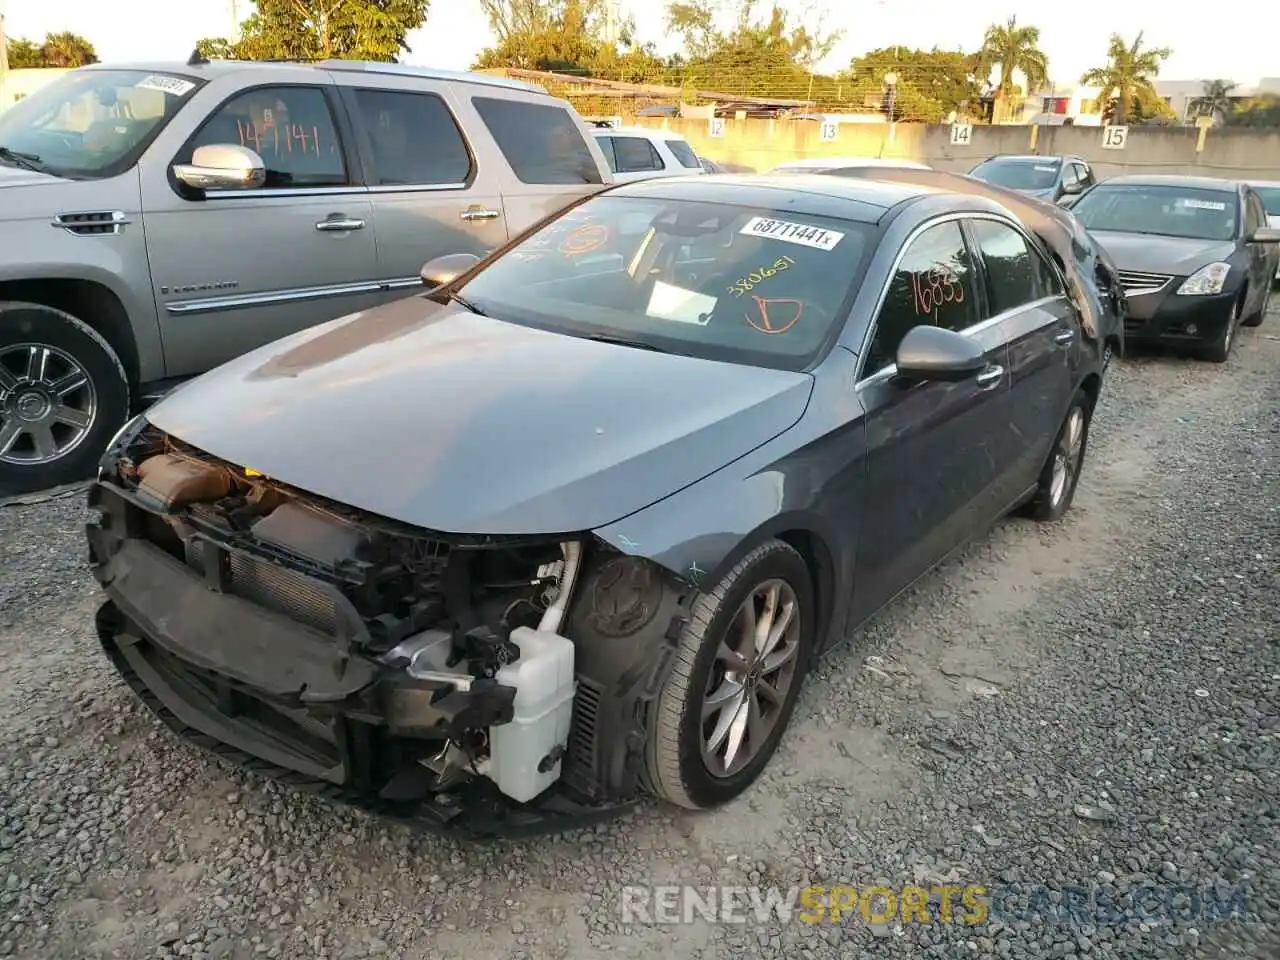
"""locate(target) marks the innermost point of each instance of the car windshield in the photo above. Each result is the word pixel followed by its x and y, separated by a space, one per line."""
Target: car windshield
pixel 1270 197
pixel 1162 211
pixel 90 124
pixel 1019 174
pixel 712 280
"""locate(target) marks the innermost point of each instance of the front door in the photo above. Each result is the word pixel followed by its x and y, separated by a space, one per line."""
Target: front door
pixel 932 464
pixel 237 269
pixel 433 194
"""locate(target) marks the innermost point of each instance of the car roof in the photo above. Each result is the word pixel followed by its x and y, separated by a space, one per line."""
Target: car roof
pixel 638 132
pixel 1034 157
pixel 216 68
pixel 834 163
pixel 859 199
pixel 1263 183
pixel 1173 180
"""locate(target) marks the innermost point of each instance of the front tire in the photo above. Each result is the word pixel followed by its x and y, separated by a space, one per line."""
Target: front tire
pixel 737 674
pixel 1255 319
pixel 63 393
pixel 1221 349
pixel 1056 488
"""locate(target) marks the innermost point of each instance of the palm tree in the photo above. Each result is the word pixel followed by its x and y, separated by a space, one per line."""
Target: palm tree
pixel 1130 74
pixel 1011 47
pixel 1216 101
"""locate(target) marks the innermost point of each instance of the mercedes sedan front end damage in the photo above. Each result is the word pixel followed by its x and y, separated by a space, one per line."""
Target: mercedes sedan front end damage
pixel 423 675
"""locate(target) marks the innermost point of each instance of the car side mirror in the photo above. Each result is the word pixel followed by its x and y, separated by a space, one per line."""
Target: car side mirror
pixel 1265 235
pixel 932 353
pixel 222 166
pixel 447 268
pixel 1072 189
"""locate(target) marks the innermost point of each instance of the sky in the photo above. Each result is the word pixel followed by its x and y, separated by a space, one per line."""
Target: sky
pixel 1073 35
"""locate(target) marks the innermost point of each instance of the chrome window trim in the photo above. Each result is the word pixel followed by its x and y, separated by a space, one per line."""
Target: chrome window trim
pixel 885 372
pixel 188 308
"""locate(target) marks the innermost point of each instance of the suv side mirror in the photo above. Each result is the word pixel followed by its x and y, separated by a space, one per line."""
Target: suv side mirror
pixel 1265 235
pixel 441 270
pixel 932 353
pixel 222 166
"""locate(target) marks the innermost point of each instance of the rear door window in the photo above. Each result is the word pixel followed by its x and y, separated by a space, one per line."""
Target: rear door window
pixel 1017 273
pixel 542 142
pixel 636 155
pixel 413 138
pixel 683 153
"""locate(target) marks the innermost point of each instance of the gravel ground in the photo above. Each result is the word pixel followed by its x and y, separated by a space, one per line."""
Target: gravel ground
pixel 1090 707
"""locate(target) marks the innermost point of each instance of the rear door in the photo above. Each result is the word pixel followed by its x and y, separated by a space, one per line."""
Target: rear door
pixel 932 460
pixel 1027 309
pixel 433 193
pixel 234 269
pixel 548 161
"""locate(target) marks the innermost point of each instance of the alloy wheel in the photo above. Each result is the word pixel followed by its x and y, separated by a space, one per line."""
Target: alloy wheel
pixel 1066 458
pixel 47 404
pixel 754 668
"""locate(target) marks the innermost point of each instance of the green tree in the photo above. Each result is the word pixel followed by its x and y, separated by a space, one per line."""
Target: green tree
pixel 561 35
pixel 753 40
pixel 319 29
pixel 931 84
pixel 1007 48
pixel 57 50
pixel 1263 111
pixel 1127 82
pixel 1216 100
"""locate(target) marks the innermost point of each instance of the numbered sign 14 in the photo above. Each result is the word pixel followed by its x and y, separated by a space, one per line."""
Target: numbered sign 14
pixel 1114 138
pixel 716 127
pixel 961 134
pixel 829 130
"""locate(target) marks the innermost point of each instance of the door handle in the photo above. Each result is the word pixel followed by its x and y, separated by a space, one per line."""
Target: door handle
pixel 478 213
pixel 1066 336
pixel 336 222
pixel 990 376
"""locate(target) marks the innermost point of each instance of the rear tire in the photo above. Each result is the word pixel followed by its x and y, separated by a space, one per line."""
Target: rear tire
pixel 707 697
pixel 1056 488
pixel 63 394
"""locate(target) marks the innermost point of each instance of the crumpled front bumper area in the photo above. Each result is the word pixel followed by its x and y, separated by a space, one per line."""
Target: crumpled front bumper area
pixel 283 699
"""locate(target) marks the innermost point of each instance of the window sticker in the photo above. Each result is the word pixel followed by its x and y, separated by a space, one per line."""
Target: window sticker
pixel 803 234
pixel 174 85
pixel 1201 204
pixel 679 305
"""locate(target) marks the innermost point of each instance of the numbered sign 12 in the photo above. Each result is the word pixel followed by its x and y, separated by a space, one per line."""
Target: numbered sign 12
pixel 829 130
pixel 1114 138
pixel 715 128
pixel 961 134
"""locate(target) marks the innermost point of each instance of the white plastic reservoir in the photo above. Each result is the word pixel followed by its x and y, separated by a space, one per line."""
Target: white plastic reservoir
pixel 543 708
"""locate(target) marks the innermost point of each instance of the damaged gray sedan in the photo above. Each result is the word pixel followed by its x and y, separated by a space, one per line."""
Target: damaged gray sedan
pixel 571 527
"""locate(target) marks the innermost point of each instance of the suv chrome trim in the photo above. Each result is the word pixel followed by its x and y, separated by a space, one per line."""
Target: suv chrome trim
pixel 97 223
pixel 424 73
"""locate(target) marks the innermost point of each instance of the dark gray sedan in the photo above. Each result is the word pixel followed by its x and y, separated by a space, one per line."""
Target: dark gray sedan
pixel 573 525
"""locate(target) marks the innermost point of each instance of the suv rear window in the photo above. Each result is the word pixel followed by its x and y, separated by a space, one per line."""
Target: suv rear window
pixel 543 144
pixel 684 153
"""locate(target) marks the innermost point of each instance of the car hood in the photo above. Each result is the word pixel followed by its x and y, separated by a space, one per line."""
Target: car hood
pixel 18 177
pixel 461 424
pixel 1172 255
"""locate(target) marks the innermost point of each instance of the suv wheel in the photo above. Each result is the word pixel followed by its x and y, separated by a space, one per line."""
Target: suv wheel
pixel 63 393
pixel 735 680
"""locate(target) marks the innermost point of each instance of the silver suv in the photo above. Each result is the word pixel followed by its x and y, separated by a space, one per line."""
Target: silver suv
pixel 159 219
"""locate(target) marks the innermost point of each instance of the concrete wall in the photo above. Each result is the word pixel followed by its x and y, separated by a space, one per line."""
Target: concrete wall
pixel 760 145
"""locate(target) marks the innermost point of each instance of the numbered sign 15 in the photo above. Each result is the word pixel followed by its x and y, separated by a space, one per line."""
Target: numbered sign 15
pixel 829 130
pixel 716 127
pixel 961 134
pixel 1114 138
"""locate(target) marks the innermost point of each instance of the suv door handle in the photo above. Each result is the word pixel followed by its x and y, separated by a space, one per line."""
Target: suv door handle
pixel 1066 336
pixel 336 222
pixel 990 376
pixel 478 213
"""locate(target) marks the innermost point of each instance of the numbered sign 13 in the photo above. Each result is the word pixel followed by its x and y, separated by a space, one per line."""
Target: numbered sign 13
pixel 1114 138
pixel 961 134
pixel 829 130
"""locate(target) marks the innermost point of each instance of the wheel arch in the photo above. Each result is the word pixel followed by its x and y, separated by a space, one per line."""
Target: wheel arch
pixel 93 303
